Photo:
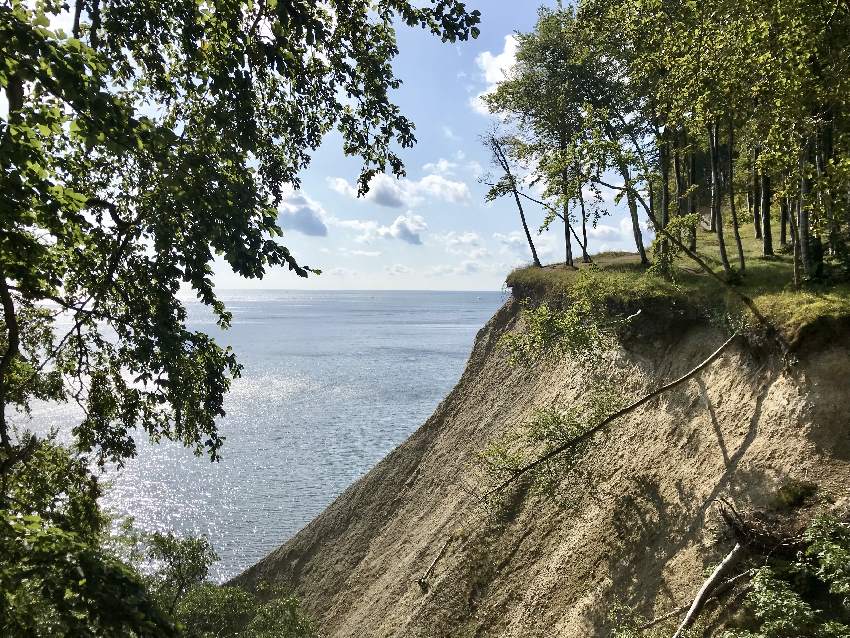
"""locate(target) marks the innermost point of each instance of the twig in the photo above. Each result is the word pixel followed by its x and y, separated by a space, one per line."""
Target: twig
pixel 610 419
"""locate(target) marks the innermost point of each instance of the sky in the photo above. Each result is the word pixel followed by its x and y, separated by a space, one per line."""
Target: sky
pixel 433 229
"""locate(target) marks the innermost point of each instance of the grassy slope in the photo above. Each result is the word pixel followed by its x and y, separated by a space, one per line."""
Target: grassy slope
pixel 769 282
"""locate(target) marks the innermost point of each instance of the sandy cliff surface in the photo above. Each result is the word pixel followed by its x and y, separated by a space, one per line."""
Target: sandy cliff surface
pixel 636 523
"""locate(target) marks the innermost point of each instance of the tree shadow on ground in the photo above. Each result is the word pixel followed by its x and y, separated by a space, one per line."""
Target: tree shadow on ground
pixel 650 529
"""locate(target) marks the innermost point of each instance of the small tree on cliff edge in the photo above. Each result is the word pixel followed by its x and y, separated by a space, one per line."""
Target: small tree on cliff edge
pixel 507 184
pixel 151 139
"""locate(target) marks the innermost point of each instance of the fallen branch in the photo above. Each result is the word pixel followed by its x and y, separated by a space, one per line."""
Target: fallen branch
pixel 717 591
pixel 611 418
pixel 732 559
pixel 423 582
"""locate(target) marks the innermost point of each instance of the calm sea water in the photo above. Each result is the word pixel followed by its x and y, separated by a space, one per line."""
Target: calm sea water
pixel 332 382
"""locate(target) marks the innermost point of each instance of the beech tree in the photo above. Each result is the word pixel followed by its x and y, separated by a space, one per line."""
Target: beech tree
pixel 150 140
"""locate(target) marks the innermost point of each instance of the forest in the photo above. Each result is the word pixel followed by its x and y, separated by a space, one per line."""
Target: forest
pixel 729 117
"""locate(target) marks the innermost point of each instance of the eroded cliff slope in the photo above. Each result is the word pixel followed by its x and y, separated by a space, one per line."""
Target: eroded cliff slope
pixel 635 524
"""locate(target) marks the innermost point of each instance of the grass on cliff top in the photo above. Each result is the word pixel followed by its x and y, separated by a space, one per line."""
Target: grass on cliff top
pixel 768 281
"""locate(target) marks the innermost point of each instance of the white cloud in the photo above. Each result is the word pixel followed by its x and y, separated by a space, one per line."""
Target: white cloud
pixel 407 228
pixel 514 240
pixel 446 167
pixel 466 267
pixel 466 243
pixel 494 68
pixel 299 213
pixel 441 167
pixel 365 253
pixel 548 245
pixel 342 186
pixel 405 193
pixel 449 134
pixel 603 231
pixel 397 270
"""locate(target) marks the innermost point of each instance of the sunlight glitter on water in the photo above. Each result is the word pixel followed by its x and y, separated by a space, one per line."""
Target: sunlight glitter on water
pixel 332 383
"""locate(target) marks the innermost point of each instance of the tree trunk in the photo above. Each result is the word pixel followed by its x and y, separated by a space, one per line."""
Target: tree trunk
pixel 568 242
pixel 803 212
pixel 755 189
pixel 795 241
pixel 783 222
pixel 716 214
pixel 665 191
pixel 732 206
pixel 692 196
pixel 633 211
pixel 767 231
pixel 584 256
pixel 680 179
pixel 527 232
pixel 496 146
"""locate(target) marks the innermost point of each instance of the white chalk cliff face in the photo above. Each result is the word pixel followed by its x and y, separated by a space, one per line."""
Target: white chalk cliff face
pixel 635 522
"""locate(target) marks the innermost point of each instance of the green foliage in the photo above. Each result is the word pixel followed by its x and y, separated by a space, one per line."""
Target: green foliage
pixel 781 611
pixel 583 329
pixel 550 332
pixel 829 547
pixel 179 564
pixel 208 611
pixel 54 584
pixel 807 596
pixel 665 252
pixel 550 429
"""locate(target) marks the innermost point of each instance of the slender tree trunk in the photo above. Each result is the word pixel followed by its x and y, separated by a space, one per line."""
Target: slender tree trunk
pixel 568 242
pixel 584 256
pixel 499 153
pixel 15 104
pixel 680 179
pixel 823 156
pixel 633 211
pixel 665 190
pixel 692 196
pixel 783 222
pixel 527 232
pixel 803 212
pixel 732 206
pixel 755 189
pixel 795 240
pixel 716 214
pixel 767 231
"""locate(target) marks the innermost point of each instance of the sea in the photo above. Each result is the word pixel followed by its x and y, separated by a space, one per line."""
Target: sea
pixel 332 382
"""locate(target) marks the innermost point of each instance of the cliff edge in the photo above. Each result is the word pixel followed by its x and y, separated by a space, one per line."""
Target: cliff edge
pixel 411 549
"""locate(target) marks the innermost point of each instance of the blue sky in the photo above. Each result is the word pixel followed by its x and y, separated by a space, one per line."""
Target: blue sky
pixel 433 229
